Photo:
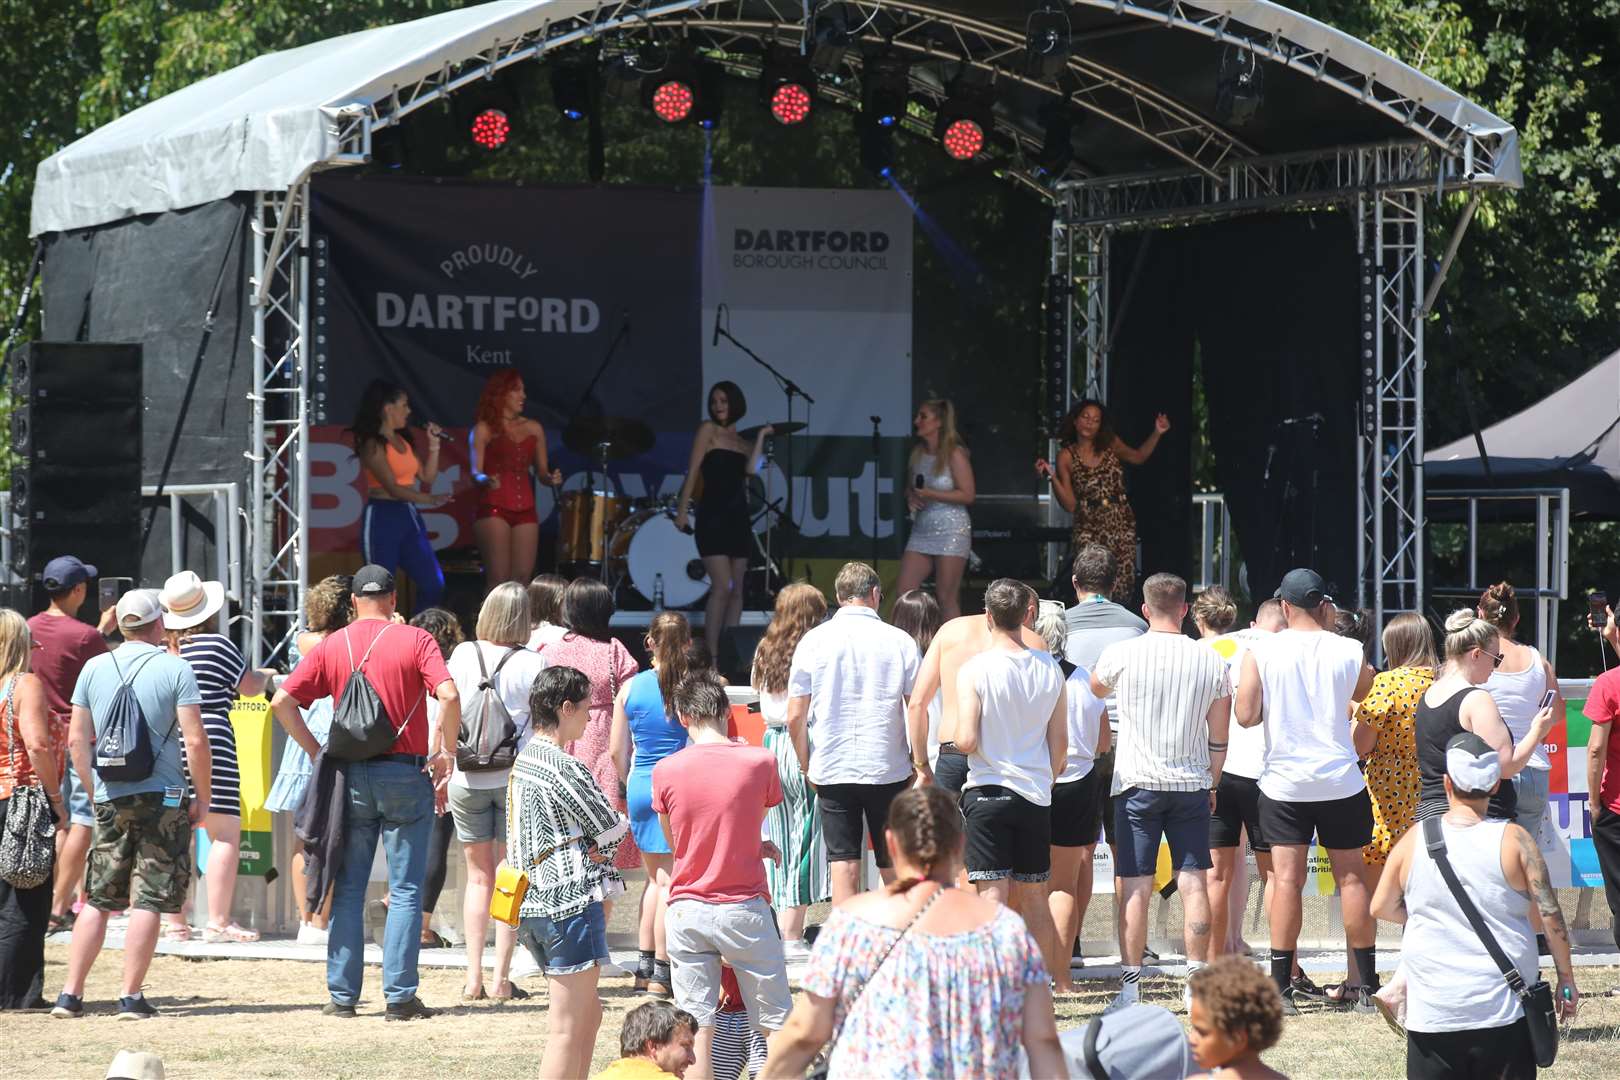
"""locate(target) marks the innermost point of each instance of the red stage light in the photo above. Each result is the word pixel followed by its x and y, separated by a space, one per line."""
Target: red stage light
pixel 963 139
pixel 790 104
pixel 490 129
pixel 672 101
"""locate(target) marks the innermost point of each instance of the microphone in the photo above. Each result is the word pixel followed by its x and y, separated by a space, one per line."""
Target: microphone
pixel 1271 452
pixel 715 341
pixel 922 482
pixel 694 569
pixel 1312 418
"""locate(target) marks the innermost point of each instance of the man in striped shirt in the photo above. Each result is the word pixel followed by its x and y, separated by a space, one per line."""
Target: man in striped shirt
pixel 1173 704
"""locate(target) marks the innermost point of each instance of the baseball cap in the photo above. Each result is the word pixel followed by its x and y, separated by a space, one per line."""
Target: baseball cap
pixel 1472 763
pixel 64 572
pixel 1303 588
pixel 139 607
pixel 372 580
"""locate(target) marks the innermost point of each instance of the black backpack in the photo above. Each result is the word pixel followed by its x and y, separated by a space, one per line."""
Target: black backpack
pixel 488 738
pixel 123 751
pixel 361 729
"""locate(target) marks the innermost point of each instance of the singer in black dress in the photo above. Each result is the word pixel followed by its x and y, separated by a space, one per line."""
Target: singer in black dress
pixel 724 537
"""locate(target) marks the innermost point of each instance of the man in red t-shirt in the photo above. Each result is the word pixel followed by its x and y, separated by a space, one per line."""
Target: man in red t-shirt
pixel 62 645
pixel 390 794
pixel 711 799
pixel 1603 775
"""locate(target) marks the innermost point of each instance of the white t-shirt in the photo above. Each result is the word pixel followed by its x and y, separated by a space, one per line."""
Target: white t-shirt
pixel 1085 725
pixel 1246 747
pixel 1017 693
pixel 546 634
pixel 857 671
pixel 1306 679
pixel 1163 685
pixel 513 684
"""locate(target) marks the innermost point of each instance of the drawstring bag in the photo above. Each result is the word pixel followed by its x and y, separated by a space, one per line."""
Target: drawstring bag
pixel 28 844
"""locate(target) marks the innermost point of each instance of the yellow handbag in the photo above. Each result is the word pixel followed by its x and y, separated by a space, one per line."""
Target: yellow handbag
pixel 511 883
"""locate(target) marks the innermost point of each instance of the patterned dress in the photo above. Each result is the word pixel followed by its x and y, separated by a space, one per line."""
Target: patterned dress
pixel 794 824
pixel 1103 515
pixel 942 1005
pixel 609 665
pixel 1392 768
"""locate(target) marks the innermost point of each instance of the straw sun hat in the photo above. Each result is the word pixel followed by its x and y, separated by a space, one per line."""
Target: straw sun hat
pixel 190 601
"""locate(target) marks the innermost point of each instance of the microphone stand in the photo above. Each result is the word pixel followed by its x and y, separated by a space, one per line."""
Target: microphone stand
pixel 877 469
pixel 792 390
pixel 579 406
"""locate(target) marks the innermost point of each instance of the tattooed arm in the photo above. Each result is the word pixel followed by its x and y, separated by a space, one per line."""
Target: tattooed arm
pixel 1521 858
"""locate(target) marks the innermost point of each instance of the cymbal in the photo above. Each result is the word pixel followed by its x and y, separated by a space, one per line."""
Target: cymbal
pixel 621 435
pixel 784 427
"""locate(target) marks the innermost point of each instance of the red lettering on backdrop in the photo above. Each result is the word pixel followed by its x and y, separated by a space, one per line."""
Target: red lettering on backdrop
pixel 1557 744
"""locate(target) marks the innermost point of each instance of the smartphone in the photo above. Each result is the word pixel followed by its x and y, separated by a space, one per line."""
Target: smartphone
pixel 110 589
pixel 1547 698
pixel 1597 608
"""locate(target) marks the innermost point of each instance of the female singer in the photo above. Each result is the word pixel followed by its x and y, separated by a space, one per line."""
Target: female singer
pixel 724 532
pixel 1089 482
pixel 939 494
pixel 392 533
pixel 505 446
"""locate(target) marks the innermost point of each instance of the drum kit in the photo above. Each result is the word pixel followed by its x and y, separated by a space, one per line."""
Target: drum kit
pixel 629 542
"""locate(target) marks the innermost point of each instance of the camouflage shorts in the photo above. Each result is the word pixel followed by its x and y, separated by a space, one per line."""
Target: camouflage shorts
pixel 138 841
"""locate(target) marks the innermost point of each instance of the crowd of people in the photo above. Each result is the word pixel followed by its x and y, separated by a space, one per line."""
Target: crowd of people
pixel 977 760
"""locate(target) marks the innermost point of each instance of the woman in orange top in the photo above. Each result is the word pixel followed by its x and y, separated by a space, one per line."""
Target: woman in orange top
pixel 505 446
pixel 392 533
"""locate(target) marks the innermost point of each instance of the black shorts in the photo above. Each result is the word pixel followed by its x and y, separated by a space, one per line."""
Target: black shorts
pixel 1103 770
pixel 1503 1052
pixel 950 770
pixel 1077 810
pixel 1237 807
pixel 1007 835
pixel 1338 824
pixel 844 808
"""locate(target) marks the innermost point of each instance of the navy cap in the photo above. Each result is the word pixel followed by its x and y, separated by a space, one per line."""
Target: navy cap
pixel 1303 588
pixel 64 572
pixel 372 580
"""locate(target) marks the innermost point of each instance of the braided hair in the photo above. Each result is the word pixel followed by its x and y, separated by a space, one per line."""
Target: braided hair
pixel 926 827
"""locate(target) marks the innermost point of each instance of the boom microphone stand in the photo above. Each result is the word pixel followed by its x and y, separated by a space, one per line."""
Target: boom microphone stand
pixel 877 468
pixel 792 390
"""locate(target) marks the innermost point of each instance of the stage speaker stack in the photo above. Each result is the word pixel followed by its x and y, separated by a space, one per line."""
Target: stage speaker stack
pixel 76 481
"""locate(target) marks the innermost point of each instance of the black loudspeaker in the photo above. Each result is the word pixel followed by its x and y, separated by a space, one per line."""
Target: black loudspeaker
pixel 76 434
pixel 737 645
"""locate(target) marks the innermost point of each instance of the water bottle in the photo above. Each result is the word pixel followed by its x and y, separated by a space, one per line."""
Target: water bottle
pixel 658 592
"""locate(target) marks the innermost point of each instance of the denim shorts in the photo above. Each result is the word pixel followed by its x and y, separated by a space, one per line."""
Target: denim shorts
pixel 569 945
pixel 1532 786
pixel 479 813
pixel 1180 818
pixel 76 799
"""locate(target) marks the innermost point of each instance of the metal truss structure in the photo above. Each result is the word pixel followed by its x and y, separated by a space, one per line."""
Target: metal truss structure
pixel 1219 175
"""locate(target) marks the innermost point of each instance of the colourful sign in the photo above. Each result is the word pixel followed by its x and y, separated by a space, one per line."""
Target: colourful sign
pixel 251 720
pixel 1567 844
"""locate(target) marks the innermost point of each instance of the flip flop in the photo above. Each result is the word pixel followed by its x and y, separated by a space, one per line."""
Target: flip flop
pixel 172 932
pixel 232 934
pixel 468 999
pixel 517 994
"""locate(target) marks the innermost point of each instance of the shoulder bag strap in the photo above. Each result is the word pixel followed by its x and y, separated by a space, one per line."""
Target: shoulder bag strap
pixel 11 723
pixel 1434 839
pixel 367 654
pixel 483 672
pixel 511 650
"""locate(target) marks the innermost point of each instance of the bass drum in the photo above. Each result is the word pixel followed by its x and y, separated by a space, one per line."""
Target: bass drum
pixel 660 556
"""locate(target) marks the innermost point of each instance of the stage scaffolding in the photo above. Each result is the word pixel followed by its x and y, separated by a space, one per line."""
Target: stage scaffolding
pixel 1220 176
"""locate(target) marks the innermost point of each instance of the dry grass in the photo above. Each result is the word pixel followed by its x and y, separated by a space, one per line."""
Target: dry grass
pixel 230 1018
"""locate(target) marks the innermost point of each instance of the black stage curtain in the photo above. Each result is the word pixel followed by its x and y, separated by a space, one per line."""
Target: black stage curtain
pixel 1269 306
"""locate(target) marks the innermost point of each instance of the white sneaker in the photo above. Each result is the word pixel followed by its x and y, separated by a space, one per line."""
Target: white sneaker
pixel 795 951
pixel 310 934
pixel 1186 998
pixel 1129 994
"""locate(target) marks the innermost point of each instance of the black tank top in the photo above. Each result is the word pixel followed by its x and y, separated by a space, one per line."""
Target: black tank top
pixel 1434 728
pixel 724 472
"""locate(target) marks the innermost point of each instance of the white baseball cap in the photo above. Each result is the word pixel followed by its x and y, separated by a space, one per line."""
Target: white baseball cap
pixel 138 607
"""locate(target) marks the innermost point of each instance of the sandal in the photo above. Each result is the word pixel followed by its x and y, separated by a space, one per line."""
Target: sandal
pixel 219 935
pixel 1341 993
pixel 60 922
pixel 517 994
pixel 434 940
pixel 468 999
pixel 175 932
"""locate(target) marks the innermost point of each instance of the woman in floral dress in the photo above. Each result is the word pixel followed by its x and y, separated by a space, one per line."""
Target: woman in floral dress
pixel 1390 710
pixel 1089 482
pixel 590 646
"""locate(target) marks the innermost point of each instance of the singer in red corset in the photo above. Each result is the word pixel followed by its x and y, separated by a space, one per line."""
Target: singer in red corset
pixel 506 445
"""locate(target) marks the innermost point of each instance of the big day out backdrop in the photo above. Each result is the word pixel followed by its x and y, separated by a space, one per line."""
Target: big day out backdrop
pixel 435 284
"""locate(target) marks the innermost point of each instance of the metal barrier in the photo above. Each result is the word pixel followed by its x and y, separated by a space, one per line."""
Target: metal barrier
pixel 1214 541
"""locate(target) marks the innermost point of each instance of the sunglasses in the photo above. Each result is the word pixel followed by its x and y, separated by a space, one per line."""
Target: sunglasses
pixel 1496 661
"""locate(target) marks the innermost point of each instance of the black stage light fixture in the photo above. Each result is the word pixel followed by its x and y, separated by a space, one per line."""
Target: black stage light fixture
pixel 575 85
pixel 672 91
pixel 830 36
pixel 787 86
pixel 1048 41
pixel 964 120
pixel 1240 86
pixel 487 112
pixel 1057 138
pixel 885 87
pixel 877 148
